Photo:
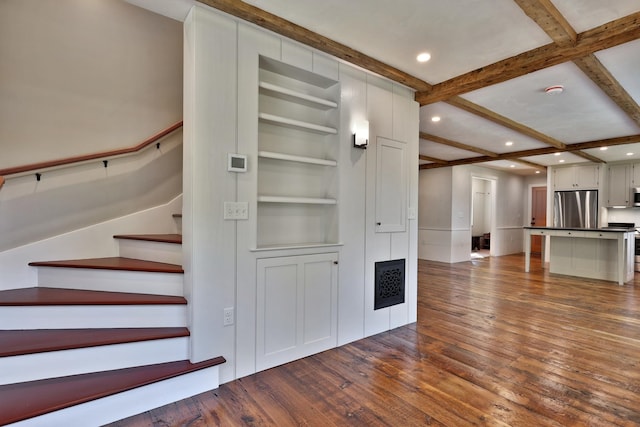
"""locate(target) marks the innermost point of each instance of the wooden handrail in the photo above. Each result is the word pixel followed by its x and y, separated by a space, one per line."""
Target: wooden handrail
pixel 84 158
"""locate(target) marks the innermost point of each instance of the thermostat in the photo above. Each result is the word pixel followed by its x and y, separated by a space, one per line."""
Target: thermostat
pixel 237 163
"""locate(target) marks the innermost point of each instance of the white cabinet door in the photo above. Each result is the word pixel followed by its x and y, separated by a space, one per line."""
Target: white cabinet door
pixel 564 178
pixel 619 188
pixel 635 175
pixel 297 307
pixel 576 177
pixel 587 177
pixel 391 186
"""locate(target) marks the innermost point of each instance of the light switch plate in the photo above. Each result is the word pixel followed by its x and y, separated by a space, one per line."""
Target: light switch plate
pixel 236 210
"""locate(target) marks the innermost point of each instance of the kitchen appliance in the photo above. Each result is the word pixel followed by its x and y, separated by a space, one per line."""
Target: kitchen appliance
pixel 636 196
pixel 575 209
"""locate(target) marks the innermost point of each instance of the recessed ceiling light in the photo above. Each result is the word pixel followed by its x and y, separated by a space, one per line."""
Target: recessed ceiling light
pixel 435 118
pixel 423 57
pixel 512 166
pixel 604 148
pixel 556 154
pixel 554 90
pixel 537 171
pixel 508 143
pixel 629 154
pixel 561 160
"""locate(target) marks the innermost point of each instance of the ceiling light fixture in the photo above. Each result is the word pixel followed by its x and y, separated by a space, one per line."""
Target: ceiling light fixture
pixel 604 148
pixel 512 166
pixel 561 161
pixel 423 57
pixel 554 90
pixel 435 119
pixel 629 154
pixel 537 171
pixel 508 143
pixel 557 154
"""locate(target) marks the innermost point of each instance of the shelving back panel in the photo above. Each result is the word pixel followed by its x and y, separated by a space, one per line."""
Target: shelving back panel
pixel 298 126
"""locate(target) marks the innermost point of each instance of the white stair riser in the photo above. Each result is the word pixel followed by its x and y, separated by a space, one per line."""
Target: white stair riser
pixel 170 253
pixel 178 221
pixel 129 403
pixel 112 280
pixel 100 316
pixel 31 367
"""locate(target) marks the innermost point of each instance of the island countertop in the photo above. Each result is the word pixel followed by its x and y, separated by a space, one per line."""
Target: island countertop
pixel 601 253
pixel 604 229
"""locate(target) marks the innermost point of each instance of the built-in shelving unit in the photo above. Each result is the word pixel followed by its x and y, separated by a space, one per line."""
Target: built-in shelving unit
pixel 298 123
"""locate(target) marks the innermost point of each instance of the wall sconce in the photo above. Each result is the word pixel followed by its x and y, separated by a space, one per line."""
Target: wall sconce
pixel 361 134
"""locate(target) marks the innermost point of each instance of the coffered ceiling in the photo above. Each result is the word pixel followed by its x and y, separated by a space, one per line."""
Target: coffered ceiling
pixel 490 65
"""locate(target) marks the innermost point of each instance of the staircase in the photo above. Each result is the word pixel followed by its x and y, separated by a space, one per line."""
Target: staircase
pixel 99 339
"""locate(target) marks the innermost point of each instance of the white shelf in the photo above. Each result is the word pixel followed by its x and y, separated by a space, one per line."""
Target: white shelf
pixel 299 159
pixel 295 96
pixel 299 200
pixel 284 121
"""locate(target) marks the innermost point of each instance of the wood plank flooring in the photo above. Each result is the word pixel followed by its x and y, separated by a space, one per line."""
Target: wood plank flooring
pixel 492 346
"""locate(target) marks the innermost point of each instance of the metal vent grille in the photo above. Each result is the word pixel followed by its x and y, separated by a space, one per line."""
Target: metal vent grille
pixel 389 283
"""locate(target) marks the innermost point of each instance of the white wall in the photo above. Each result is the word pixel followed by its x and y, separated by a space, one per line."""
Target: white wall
pixel 220 114
pixel 79 77
pixel 445 212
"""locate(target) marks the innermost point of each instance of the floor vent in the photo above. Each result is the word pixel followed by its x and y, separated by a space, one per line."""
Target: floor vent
pixel 389 282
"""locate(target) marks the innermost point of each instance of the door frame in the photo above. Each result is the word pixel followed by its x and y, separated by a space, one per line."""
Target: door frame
pixel 545 242
pixel 492 201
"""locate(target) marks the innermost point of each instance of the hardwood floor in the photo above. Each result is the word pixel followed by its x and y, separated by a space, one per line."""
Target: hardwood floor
pixel 493 346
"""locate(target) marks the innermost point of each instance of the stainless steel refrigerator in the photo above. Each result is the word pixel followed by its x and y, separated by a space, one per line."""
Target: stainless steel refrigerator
pixel 575 209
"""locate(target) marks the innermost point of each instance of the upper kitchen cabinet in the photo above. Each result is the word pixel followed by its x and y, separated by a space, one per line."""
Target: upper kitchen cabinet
pixel 583 177
pixel 619 182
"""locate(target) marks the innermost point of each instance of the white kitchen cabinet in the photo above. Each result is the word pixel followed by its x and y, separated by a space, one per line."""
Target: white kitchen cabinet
pixel 635 175
pixel 297 306
pixel 583 177
pixel 391 186
pixel 298 123
pixel 619 185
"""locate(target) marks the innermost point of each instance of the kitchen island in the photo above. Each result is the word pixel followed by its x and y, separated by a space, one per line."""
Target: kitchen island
pixel 597 253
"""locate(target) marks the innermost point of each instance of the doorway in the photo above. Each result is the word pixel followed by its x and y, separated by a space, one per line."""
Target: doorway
pixel 482 206
pixel 538 216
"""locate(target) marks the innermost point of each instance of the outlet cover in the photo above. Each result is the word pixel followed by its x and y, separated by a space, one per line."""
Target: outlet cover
pixel 228 316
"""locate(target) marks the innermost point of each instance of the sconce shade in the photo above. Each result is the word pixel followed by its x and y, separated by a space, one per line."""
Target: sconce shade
pixel 361 135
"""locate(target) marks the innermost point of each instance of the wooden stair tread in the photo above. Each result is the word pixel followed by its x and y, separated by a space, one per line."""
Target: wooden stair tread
pixel 163 238
pixel 20 342
pixel 21 401
pixel 113 263
pixel 57 296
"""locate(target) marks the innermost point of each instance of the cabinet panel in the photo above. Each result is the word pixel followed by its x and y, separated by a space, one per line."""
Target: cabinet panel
pixel 563 178
pixel 576 177
pixel 278 309
pixel 635 175
pixel 587 176
pixel 297 305
pixel 391 186
pixel 619 185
